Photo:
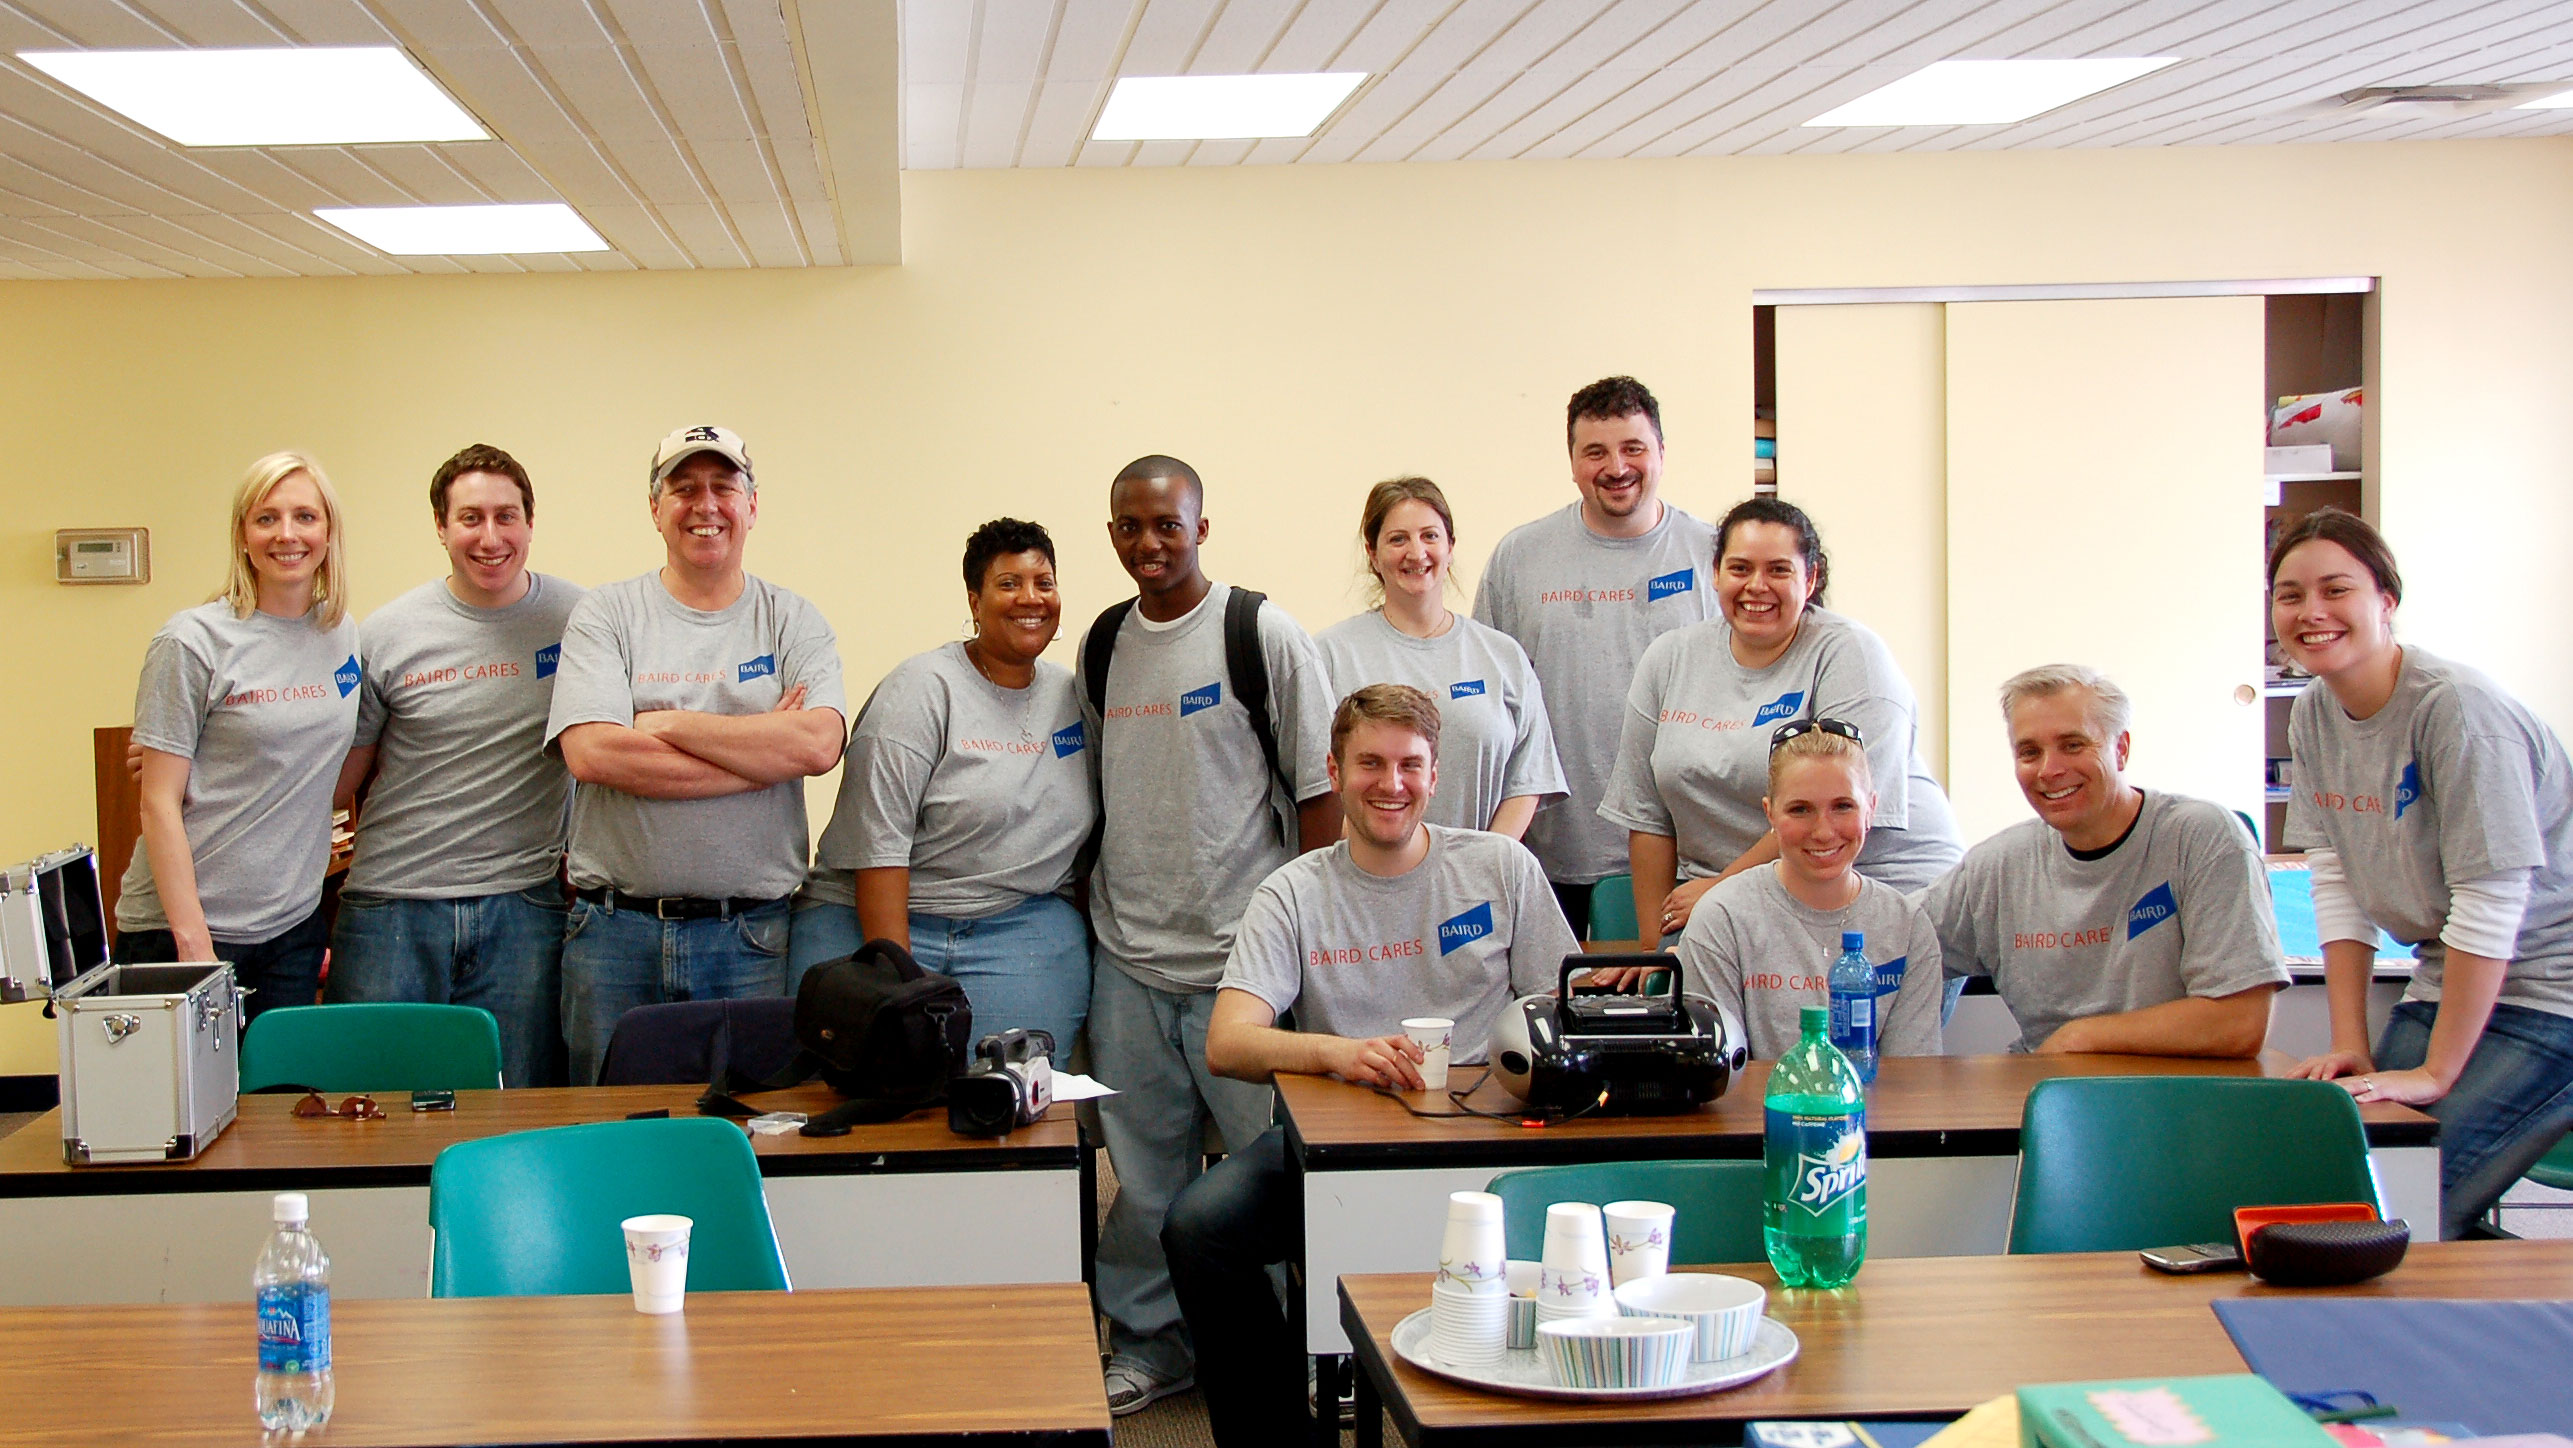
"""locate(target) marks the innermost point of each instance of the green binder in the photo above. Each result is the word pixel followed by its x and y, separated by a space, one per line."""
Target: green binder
pixel 2240 1411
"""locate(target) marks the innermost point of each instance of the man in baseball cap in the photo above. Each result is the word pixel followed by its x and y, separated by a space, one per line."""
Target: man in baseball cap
pixel 691 704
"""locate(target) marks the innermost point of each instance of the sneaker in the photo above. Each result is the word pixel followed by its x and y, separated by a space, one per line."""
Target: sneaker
pixel 1132 1388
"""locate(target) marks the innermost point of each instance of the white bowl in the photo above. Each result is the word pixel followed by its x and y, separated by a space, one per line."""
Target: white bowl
pixel 1725 1311
pixel 1616 1352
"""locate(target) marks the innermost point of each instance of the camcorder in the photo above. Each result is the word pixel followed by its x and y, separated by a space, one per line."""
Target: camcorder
pixel 1008 1084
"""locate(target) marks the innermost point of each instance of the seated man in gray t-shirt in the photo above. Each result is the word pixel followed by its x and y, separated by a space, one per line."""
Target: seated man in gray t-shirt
pixel 2115 920
pixel 1399 919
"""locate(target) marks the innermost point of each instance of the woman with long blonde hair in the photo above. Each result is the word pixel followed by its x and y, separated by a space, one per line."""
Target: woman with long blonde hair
pixel 243 720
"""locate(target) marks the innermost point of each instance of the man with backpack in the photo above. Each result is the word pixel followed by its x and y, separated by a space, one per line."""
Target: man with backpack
pixel 1212 714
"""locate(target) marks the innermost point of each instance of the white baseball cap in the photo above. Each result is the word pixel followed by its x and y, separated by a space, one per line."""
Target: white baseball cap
pixel 687 442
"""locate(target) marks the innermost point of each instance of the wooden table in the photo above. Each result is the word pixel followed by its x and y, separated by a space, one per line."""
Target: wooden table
pixel 188 1231
pixel 890 1366
pixel 1942 1142
pixel 1923 1337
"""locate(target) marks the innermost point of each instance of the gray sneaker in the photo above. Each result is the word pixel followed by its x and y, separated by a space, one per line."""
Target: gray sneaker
pixel 1133 1387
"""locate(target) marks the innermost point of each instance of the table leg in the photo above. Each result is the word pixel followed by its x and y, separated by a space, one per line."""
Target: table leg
pixel 1330 1370
pixel 1371 1410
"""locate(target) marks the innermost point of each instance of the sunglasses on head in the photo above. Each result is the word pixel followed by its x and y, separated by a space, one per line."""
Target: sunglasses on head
pixel 1794 727
pixel 355 1108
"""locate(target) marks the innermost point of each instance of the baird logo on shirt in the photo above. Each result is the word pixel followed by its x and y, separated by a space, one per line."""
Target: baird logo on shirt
pixel 2407 790
pixel 1465 929
pixel 1670 585
pixel 2156 907
pixel 346 676
pixel 1068 741
pixel 548 659
pixel 1465 689
pixel 758 668
pixel 1784 706
pixel 1196 699
pixel 1889 976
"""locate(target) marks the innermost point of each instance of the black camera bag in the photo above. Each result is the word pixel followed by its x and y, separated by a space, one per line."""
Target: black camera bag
pixel 880 1029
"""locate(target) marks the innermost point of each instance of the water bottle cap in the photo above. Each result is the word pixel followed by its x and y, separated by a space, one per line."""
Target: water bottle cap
pixel 1814 1020
pixel 1853 940
pixel 291 1207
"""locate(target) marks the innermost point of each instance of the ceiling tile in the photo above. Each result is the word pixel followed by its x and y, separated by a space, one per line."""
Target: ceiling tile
pixel 328 22
pixel 1167 40
pixel 212 22
pixel 547 23
pixel 674 23
pixel 697 90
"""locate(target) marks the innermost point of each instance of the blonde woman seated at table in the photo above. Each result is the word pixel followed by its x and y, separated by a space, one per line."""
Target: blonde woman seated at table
pixel 1761 943
pixel 1496 749
pixel 965 796
pixel 1691 760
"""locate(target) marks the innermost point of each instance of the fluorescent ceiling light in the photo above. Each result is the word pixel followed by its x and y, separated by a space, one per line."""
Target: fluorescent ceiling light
pixel 465 230
pixel 2561 100
pixel 313 96
pixel 1221 107
pixel 1985 92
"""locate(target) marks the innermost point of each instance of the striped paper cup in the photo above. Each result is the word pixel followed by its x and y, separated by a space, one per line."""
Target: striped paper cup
pixel 1616 1352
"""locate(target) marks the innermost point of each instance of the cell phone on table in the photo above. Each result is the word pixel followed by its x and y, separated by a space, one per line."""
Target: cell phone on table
pixel 2195 1257
pixel 433 1101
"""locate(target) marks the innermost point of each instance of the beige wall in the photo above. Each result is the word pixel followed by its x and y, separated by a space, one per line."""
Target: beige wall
pixel 1295 332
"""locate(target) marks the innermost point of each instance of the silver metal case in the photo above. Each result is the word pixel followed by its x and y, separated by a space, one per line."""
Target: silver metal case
pixel 53 923
pixel 151 1061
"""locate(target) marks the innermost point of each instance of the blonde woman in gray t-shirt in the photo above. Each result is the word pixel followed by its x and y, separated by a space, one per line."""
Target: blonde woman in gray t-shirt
pixel 243 719
pixel 1762 941
pixel 2433 804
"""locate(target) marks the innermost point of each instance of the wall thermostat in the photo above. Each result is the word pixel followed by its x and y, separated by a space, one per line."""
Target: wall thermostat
pixel 102 555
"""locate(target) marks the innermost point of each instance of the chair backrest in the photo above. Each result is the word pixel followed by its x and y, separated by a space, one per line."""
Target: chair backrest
pixel 1612 914
pixel 2555 1169
pixel 1717 1203
pixel 371 1046
pixel 673 1043
pixel 2116 1163
pixel 537 1213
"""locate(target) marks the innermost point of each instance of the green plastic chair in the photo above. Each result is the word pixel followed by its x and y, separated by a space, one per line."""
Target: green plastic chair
pixel 537 1213
pixel 1718 1203
pixel 1612 914
pixel 369 1046
pixel 2116 1163
pixel 2555 1169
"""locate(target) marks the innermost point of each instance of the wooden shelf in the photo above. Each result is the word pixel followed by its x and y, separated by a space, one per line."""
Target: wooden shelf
pixel 2349 477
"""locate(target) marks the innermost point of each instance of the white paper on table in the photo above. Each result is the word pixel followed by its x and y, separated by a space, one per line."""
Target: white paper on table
pixel 1073 1086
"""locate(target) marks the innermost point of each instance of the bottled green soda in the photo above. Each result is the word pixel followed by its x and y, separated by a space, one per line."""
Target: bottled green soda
pixel 1815 1218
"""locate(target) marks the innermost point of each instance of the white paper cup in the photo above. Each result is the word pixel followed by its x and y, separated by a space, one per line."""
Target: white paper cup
pixel 1434 1035
pixel 656 1254
pixel 1473 1254
pixel 1725 1310
pixel 1468 1329
pixel 1639 1239
pixel 1572 1276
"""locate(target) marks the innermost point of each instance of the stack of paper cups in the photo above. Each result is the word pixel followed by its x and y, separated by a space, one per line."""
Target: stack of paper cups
pixel 1572 1275
pixel 1470 1301
pixel 1639 1240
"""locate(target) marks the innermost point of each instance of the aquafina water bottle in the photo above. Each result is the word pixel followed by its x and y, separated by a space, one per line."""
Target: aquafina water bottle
pixel 293 1284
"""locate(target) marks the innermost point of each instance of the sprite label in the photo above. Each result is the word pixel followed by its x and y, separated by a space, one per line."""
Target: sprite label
pixel 1817 1172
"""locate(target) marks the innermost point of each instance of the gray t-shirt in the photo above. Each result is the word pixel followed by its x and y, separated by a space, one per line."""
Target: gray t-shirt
pixel 262 708
pixel 1493 739
pixel 466 801
pixel 2179 908
pixel 630 647
pixel 982 792
pixel 1463 933
pixel 1693 762
pixel 1585 607
pixel 2453 780
pixel 1752 946
pixel 1193 814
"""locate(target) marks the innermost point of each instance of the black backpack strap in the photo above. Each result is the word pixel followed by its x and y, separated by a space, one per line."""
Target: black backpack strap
pixel 1248 667
pixel 1098 650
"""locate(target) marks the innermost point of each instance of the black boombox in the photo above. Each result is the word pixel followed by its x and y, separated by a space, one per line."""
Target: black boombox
pixel 1617 1052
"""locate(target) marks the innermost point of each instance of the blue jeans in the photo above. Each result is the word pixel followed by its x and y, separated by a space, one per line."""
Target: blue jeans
pixel 1150 1045
pixel 1028 966
pixel 283 970
pixel 615 960
pixel 2510 1104
pixel 501 952
pixel 1222 1235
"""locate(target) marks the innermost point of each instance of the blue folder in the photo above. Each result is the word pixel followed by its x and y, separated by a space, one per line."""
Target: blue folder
pixel 2497 1367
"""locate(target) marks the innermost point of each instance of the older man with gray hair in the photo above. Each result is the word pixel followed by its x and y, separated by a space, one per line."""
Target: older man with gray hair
pixel 2116 920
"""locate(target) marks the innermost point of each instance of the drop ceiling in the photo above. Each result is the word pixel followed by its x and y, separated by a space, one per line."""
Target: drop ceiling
pixel 733 133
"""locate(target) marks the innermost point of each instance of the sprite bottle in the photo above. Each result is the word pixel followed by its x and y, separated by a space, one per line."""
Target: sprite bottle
pixel 1815 1217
